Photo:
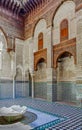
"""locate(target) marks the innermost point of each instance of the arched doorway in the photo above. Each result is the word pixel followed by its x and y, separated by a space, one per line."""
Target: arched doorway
pixel 5 68
pixel 19 83
pixel 65 77
pixel 40 79
pixel 41 64
pixel 27 83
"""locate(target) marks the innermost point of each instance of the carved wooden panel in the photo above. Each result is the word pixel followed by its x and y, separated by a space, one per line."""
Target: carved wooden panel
pixel 40 41
pixel 66 46
pixel 46 13
pixel 64 30
pixel 39 55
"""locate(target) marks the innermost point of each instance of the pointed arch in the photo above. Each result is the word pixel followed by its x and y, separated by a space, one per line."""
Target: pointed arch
pixel 5 36
pixel 64 54
pixel 36 24
pixel 59 5
pixel 40 61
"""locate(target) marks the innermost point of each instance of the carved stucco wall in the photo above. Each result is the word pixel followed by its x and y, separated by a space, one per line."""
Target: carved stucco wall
pixel 43 23
pixel 79 57
pixel 66 69
pixel 22 57
pixel 66 11
pixel 5 71
pixel 46 13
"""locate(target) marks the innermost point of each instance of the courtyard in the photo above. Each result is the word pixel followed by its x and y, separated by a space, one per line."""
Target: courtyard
pixel 50 115
pixel 41 64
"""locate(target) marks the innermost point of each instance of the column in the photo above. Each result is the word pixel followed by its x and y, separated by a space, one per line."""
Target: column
pixel 13 69
pixel 13 88
pixel 23 84
pixel 32 75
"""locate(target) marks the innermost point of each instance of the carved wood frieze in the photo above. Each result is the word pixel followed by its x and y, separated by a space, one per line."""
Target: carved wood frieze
pixel 47 12
pixel 41 54
pixel 65 46
pixel 25 25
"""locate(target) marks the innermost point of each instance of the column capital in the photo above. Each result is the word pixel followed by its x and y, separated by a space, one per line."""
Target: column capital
pixel 33 74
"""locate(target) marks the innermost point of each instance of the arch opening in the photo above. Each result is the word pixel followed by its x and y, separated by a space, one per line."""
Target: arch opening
pixel 40 79
pixel 64 55
pixel 18 83
pixel 41 64
pixel 3 40
pixel 65 76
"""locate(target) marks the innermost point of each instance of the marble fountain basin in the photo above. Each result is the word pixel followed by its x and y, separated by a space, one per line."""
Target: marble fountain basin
pixel 12 113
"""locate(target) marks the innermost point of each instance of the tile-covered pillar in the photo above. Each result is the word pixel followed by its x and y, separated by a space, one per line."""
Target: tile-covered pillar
pixel 51 73
pixel 51 85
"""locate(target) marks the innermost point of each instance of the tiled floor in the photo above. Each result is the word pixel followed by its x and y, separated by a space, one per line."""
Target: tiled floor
pixel 72 114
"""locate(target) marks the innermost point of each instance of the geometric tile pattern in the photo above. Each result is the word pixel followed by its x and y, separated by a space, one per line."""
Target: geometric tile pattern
pixel 44 120
pixel 72 113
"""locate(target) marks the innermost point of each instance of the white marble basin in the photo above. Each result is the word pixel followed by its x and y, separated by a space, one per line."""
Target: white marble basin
pixel 12 113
